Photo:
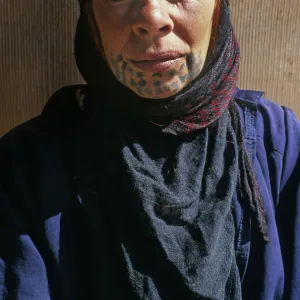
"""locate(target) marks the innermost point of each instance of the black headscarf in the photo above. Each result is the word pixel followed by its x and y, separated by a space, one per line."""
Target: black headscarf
pixel 195 107
pixel 168 194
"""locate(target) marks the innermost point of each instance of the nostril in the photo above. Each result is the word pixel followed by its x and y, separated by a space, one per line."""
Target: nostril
pixel 164 29
pixel 143 31
pixel 152 30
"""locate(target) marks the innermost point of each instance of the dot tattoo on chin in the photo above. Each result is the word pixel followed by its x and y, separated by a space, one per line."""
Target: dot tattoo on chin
pixel 119 66
pixel 142 82
pixel 123 79
pixel 184 78
pixel 159 91
pixel 194 66
pixel 130 70
pixel 166 88
pixel 182 67
pixel 175 85
pixel 156 75
pixel 172 73
pixel 133 82
pixel 162 82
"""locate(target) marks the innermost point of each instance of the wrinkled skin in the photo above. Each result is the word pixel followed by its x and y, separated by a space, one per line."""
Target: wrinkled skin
pixel 132 29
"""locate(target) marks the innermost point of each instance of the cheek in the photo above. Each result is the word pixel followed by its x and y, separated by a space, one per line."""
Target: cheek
pixel 195 23
pixel 112 27
pixel 112 41
pixel 192 25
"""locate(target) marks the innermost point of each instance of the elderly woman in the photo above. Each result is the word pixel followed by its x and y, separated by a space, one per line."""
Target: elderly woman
pixel 159 179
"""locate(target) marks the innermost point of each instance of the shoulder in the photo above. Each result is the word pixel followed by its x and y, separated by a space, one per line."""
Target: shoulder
pixel 32 172
pixel 276 127
pixel 272 121
pixel 33 144
pixel 59 109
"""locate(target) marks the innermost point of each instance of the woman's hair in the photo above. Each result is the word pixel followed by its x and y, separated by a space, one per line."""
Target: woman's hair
pixel 247 184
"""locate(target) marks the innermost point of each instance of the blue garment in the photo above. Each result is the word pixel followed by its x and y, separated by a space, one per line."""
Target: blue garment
pixel 52 247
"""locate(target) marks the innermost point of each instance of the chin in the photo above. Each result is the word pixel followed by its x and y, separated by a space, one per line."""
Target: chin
pixel 154 96
pixel 165 90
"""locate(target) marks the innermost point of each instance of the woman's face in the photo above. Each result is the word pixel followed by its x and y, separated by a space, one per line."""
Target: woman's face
pixel 155 47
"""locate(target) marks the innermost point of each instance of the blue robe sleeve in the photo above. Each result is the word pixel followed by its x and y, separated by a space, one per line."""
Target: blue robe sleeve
pixel 22 270
pixel 288 208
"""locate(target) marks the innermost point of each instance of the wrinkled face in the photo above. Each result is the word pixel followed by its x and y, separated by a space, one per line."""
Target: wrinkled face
pixel 155 47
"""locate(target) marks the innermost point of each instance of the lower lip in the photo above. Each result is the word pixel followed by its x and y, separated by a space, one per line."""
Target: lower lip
pixel 156 65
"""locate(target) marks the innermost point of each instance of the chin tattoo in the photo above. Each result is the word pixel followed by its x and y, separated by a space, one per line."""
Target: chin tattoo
pixel 160 83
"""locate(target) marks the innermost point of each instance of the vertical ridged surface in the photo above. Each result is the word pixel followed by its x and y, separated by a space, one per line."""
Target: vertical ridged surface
pixel 269 36
pixel 36 52
pixel 36 55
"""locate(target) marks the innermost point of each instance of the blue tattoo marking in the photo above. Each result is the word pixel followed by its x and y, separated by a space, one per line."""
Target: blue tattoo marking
pixel 182 67
pixel 183 78
pixel 166 88
pixel 157 83
pixel 139 74
pixel 191 61
pixel 193 67
pixel 115 62
pixel 142 82
pixel 130 70
pixel 156 75
pixel 159 91
pixel 124 65
pixel 133 82
pixel 172 73
pixel 175 85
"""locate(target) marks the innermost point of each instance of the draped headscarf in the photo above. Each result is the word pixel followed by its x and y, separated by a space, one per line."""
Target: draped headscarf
pixel 196 106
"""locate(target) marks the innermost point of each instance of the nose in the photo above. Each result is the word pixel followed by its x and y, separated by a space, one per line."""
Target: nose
pixel 152 20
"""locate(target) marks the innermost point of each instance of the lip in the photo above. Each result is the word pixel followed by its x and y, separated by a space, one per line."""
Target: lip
pixel 159 56
pixel 157 65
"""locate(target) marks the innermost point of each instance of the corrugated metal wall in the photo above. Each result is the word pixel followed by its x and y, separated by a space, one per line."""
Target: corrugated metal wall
pixel 36 55
pixel 36 52
pixel 269 35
